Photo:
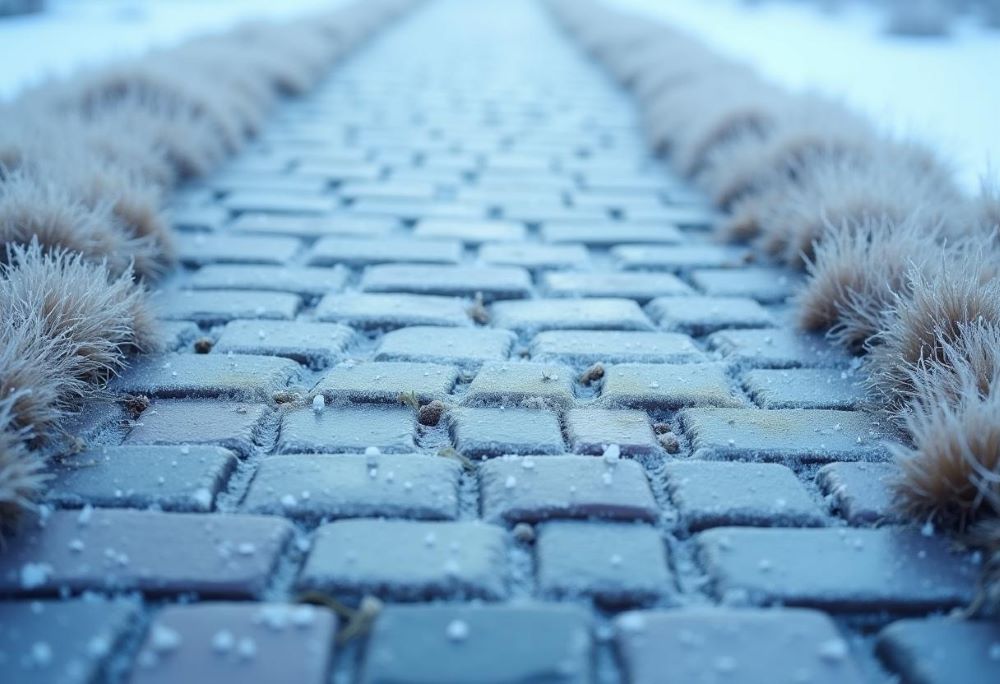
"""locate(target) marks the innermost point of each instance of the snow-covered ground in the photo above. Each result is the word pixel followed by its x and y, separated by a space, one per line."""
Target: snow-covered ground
pixel 943 91
pixel 76 33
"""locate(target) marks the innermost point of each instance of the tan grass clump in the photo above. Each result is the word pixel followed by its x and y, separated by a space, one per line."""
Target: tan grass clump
pixel 809 128
pixel 94 315
pixel 891 183
pixel 22 475
pixel 861 272
pixel 929 319
pixel 952 473
pixel 33 209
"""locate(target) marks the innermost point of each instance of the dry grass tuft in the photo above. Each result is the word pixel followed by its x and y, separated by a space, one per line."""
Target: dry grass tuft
pixel 94 317
pixel 894 183
pixel 33 209
pixel 748 110
pixel 929 319
pixel 68 326
pixel 809 128
pixel 986 208
pixel 859 274
pixel 136 206
pixel 22 475
pixel 153 86
pixel 32 377
pixel 952 473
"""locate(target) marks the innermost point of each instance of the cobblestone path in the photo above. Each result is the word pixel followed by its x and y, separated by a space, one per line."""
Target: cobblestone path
pixel 448 337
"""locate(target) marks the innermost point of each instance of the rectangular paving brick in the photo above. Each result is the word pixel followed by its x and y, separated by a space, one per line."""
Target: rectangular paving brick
pixel 512 383
pixel 609 233
pixel 584 347
pixel 534 256
pixel 386 381
pixel 703 315
pixel 301 280
pixel 457 643
pixel 454 211
pixel 542 212
pixel 61 641
pixel 347 429
pixel 254 643
pixel 392 310
pixel 621 180
pixel 469 232
pixel 341 171
pixel 493 282
pixel 313 344
pixel 171 478
pixel 356 252
pixel 312 226
pixel 641 287
pixel 468 347
pixel 666 386
pixel 711 494
pixel 740 646
pixel 266 182
pixel 776 348
pixel 688 218
pixel 861 492
pixel 617 564
pixel 387 189
pixel 278 203
pixel 591 431
pixel 196 219
pixel 314 487
pixel 231 425
pixel 200 249
pixel 393 208
pixel 766 285
pixel 199 375
pixel 212 307
pixel 939 650
pixel 614 200
pixel 527 489
pixel 837 570
pixel 680 258
pixel 538 315
pixel 488 432
pixel 407 560
pixel 229 556
pixel 783 434
pixel 807 388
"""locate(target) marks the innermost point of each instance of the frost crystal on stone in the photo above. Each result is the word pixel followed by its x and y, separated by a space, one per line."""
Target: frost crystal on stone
pixel 41 653
pixel 223 641
pixel 246 648
pixel 458 630
pixel 202 497
pixel 34 575
pixel 833 650
pixel 164 639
